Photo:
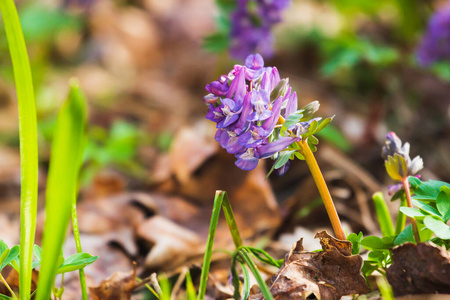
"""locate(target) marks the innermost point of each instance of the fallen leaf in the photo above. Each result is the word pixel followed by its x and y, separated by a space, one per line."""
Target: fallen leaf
pixel 328 274
pixel 119 286
pixel 419 269
pixel 172 244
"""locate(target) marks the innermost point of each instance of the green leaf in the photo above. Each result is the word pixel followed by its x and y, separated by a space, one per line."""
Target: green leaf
pixel 405 236
pixel 412 212
pixel 440 229
pixel 247 286
pixel 76 262
pixel 28 140
pixel 383 216
pixel 335 137
pixel 426 207
pixel 216 42
pixel 3 257
pixel 291 120
pixel 398 195
pixel 283 158
pixel 414 181
pixel 377 256
pixel 12 255
pixel 5 297
pixel 375 243
pixel 313 140
pixel 311 130
pixel 299 155
pixel 324 123
pixel 3 246
pixel 62 183
pixel 429 190
pixel 264 256
pixel 356 242
pixel 369 267
pixel 37 252
pixel 443 203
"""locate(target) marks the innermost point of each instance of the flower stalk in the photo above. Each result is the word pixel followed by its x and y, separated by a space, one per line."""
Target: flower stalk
pixel 415 229
pixel 323 189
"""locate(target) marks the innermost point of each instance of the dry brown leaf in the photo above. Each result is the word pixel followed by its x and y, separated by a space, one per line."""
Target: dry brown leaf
pixel 419 269
pixel 329 274
pixel 190 148
pixel 13 281
pixel 118 286
pixel 172 244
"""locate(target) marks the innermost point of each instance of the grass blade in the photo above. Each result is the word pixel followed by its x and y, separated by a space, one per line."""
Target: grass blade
pixel 209 243
pixel 229 217
pixel 401 217
pixel 28 141
pixel 67 150
pixel 221 201
pixel 76 230
pixel 251 265
pixel 383 216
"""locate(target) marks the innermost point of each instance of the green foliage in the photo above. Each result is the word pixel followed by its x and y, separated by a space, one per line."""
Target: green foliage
pixel 219 40
pixel 241 254
pixel 39 23
pixel 432 199
pixel 28 141
pixel 76 262
pixel 335 137
pixel 347 52
pixel 383 216
pixel 67 150
pixel 356 240
pixel 7 255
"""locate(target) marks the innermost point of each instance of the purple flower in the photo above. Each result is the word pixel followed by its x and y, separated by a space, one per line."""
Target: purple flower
pixel 255 66
pixel 219 87
pixel 397 160
pixel 435 45
pixel 246 116
pixel 251 25
pixel 260 100
pixel 230 111
pixel 267 150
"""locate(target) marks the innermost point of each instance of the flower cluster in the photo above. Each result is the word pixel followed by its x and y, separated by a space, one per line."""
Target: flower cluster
pixel 251 25
pixel 247 105
pixel 435 45
pixel 397 161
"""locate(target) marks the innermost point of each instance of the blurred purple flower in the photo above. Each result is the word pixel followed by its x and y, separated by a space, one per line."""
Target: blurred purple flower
pixel 435 45
pixel 251 25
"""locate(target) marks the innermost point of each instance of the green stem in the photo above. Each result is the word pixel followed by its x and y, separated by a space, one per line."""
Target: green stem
pixel 405 183
pixel 28 142
pixel 220 201
pixel 7 286
pixel 383 215
pixel 76 235
pixel 209 244
pixel 231 221
pixel 401 218
pixel 251 265
pixel 323 189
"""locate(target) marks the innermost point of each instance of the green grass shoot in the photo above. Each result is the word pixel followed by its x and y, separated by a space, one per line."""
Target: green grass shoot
pixel 28 141
pixel 221 201
pixel 65 161
pixel 383 215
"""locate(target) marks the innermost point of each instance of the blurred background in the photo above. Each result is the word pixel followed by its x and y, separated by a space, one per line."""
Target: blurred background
pixel 152 166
